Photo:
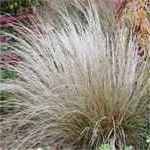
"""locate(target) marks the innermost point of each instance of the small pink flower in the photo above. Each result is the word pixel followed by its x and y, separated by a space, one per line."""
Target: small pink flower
pixel 118 3
pixel 8 20
pixel 3 39
pixel 9 59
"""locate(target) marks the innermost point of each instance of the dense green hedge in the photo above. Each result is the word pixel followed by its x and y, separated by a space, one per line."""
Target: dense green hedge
pixel 12 6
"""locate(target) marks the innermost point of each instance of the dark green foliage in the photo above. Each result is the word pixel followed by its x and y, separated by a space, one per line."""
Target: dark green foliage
pixel 12 6
pixel 6 103
pixel 7 74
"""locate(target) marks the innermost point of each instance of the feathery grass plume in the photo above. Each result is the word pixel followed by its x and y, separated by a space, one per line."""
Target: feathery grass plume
pixel 78 85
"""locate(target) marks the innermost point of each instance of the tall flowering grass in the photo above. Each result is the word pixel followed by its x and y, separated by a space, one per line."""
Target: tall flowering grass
pixel 80 85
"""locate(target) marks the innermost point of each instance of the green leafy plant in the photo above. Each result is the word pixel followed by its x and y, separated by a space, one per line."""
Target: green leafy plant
pixel 7 103
pixel 108 147
pixel 12 6
pixel 7 74
pixel 105 147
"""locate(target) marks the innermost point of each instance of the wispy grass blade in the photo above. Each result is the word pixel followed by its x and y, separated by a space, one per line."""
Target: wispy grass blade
pixel 78 85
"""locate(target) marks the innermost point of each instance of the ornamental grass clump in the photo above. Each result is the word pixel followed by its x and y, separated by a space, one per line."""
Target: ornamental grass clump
pixel 80 85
